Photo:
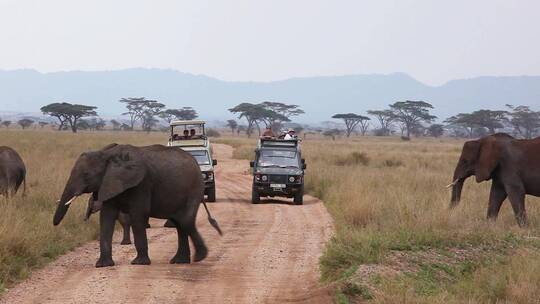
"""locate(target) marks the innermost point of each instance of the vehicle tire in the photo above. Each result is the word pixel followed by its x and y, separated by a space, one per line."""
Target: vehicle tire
pixel 211 194
pixel 299 197
pixel 255 197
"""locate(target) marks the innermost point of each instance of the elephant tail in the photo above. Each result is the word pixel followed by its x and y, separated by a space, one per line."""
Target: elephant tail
pixel 212 221
pixel 24 187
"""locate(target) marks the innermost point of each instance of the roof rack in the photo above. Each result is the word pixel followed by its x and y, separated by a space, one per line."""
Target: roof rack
pixel 278 143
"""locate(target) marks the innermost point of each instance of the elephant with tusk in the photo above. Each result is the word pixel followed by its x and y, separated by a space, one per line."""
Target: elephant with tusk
pixel 142 182
pixel 512 165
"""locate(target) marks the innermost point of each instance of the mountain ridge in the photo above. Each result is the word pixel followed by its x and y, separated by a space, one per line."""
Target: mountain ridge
pixel 26 90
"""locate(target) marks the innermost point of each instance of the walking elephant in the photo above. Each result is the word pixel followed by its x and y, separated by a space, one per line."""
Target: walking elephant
pixel 12 172
pixel 512 165
pixel 152 181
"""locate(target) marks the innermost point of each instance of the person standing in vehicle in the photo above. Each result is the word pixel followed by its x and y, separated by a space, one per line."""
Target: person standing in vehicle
pixel 290 135
pixel 268 132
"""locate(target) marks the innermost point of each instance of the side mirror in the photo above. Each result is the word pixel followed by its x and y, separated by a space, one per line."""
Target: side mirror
pixel 252 164
pixel 304 166
pixel 214 162
pixel 303 160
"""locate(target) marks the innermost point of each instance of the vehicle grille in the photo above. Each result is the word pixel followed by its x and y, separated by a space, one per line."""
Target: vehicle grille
pixel 278 179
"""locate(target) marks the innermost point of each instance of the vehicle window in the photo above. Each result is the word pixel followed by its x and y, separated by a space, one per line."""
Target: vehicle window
pixel 201 157
pixel 279 158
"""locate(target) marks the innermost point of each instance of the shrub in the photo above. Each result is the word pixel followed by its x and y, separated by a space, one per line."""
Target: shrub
pixel 353 158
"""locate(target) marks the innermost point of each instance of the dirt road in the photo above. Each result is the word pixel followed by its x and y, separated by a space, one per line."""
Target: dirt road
pixel 268 254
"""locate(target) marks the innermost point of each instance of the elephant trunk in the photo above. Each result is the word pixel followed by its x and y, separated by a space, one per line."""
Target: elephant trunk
pixel 456 192
pixel 63 204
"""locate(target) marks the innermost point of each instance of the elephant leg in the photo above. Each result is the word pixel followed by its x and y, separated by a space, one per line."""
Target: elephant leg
pixel 516 195
pixel 123 218
pixel 107 219
pixel 496 198
pixel 138 224
pixel 201 251
pixel 183 253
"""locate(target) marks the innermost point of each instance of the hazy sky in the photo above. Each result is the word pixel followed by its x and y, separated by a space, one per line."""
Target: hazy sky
pixel 434 41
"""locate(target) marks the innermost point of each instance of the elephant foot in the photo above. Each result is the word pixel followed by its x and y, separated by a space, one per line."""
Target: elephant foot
pixel 169 224
pixel 125 242
pixel 141 261
pixel 180 260
pixel 104 262
pixel 200 254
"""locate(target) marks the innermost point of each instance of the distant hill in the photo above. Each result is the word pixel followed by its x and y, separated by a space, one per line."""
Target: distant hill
pixel 320 97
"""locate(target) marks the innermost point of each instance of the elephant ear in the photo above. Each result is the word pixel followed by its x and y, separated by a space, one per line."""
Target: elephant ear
pixel 123 172
pixel 488 159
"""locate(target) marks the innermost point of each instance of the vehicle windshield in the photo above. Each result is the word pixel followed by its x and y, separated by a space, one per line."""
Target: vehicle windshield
pixel 182 132
pixel 278 158
pixel 201 156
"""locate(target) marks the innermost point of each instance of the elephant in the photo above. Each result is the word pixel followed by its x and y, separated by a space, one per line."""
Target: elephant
pixel 12 172
pixel 512 165
pixel 151 181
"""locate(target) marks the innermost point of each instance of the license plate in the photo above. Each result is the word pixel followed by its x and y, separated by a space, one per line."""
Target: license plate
pixel 277 185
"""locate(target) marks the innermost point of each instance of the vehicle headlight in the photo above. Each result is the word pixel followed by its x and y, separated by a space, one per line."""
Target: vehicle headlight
pixel 210 175
pixel 204 176
pixel 257 177
pixel 264 178
pixel 291 179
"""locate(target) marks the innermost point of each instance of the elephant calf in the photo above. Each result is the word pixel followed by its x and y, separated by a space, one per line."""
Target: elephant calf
pixel 152 181
pixel 512 165
pixel 12 172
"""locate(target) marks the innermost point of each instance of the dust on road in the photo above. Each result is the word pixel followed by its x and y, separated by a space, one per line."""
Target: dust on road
pixel 269 253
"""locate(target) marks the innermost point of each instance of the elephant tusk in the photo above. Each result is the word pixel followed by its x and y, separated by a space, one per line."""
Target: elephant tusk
pixel 71 200
pixel 453 183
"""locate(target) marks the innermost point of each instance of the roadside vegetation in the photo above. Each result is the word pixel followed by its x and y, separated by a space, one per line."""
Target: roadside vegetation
pixel 397 241
pixel 28 238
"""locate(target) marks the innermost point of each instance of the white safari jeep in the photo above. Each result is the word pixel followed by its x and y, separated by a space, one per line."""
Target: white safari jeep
pixel 190 136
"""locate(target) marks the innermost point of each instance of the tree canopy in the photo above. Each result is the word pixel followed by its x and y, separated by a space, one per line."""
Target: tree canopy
pixel 351 121
pixel 68 113
pixel 25 123
pixel 412 113
pixel 526 122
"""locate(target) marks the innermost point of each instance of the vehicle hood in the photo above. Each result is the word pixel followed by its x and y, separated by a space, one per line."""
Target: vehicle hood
pixel 284 171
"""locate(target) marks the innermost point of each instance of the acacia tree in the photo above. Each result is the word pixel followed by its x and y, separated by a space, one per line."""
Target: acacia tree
pixel 351 121
pixel 280 113
pixel 436 130
pixel 6 123
pixel 251 112
pixel 185 113
pixel 412 113
pixel 525 121
pixel 385 118
pixel 25 123
pixel 491 120
pixel 68 113
pixel 463 120
pixel 42 124
pixel 115 124
pixel 231 123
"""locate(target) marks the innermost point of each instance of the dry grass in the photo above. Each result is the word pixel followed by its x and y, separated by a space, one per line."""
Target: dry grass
pixel 388 199
pixel 27 237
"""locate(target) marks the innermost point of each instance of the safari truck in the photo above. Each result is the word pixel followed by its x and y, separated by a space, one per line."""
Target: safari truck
pixel 278 170
pixel 190 136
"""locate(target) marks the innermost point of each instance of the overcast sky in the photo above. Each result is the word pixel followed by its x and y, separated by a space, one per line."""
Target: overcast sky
pixel 433 41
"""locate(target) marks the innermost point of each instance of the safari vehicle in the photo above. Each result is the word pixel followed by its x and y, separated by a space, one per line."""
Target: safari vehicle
pixel 278 170
pixel 190 136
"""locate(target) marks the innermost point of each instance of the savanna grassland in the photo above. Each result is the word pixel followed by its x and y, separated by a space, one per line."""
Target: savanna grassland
pixel 27 237
pixel 396 240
